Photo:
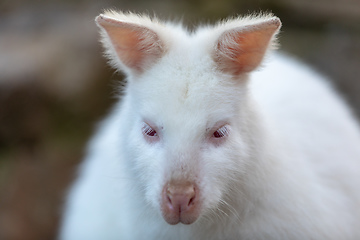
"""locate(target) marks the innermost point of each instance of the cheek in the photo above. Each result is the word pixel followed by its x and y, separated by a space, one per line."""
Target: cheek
pixel 148 166
pixel 221 169
pixel 145 156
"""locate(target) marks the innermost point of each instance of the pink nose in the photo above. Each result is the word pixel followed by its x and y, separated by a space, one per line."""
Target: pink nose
pixel 180 203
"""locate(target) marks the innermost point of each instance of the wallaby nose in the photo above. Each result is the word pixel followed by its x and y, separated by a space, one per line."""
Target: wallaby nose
pixel 180 203
pixel 181 196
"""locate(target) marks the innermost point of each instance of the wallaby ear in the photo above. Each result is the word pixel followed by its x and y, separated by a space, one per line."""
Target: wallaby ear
pixel 130 46
pixel 241 50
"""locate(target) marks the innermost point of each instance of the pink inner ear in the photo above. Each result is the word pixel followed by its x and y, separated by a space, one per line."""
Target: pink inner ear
pixel 242 50
pixel 136 46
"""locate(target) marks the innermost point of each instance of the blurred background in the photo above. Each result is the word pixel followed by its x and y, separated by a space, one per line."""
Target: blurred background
pixel 55 85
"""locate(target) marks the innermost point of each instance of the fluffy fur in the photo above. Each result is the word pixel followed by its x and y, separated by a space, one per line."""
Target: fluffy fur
pixel 287 167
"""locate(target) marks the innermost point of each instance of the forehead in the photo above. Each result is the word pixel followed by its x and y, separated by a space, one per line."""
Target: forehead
pixel 185 86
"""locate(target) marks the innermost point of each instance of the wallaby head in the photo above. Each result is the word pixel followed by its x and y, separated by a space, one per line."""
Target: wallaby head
pixel 187 133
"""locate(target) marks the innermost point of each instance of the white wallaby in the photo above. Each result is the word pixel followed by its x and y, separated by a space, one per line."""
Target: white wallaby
pixel 202 146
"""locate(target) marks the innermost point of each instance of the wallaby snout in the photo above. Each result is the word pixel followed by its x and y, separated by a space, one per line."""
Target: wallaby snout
pixel 180 202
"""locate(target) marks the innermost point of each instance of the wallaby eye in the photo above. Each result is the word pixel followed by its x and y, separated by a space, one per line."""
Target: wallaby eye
pixel 221 132
pixel 149 131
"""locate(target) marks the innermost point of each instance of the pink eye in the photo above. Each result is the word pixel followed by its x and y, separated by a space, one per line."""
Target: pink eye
pixel 149 131
pixel 221 132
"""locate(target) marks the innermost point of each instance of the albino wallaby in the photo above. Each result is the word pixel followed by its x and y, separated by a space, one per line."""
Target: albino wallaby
pixel 202 146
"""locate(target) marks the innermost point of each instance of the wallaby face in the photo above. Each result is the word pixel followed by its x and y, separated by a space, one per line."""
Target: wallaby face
pixel 185 147
pixel 186 124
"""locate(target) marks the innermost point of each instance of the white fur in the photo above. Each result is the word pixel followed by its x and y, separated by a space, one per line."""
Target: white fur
pixel 289 168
